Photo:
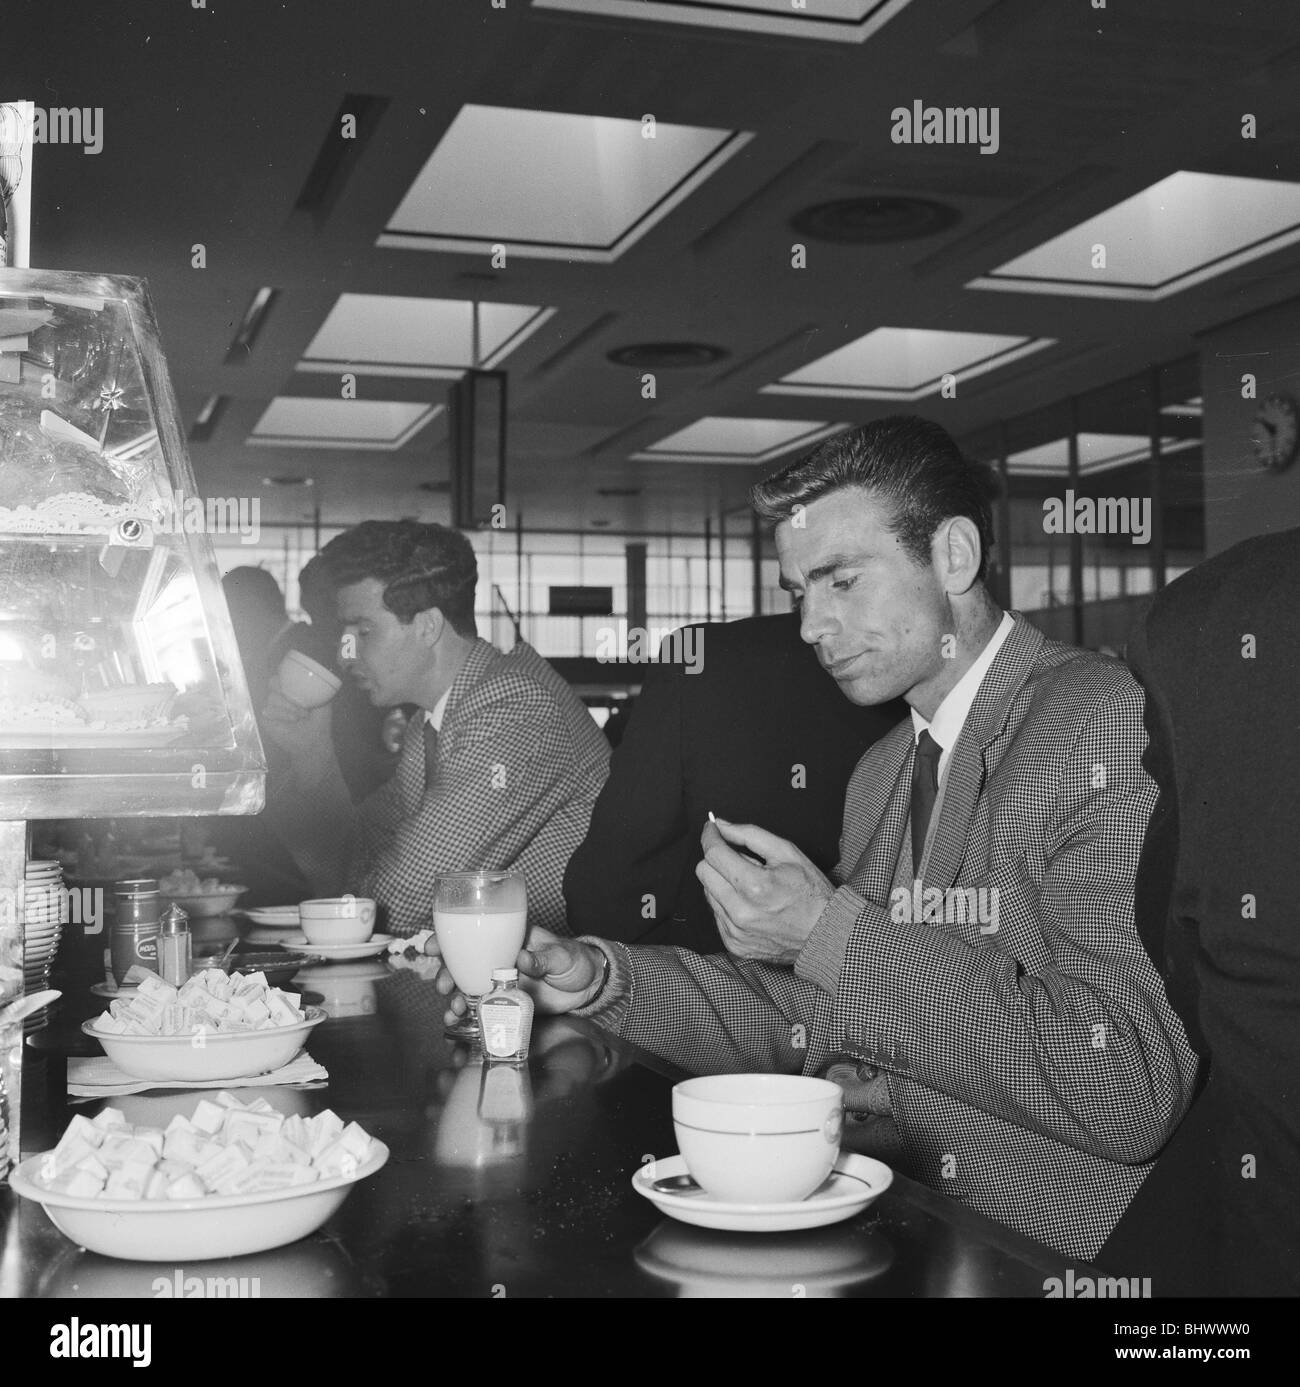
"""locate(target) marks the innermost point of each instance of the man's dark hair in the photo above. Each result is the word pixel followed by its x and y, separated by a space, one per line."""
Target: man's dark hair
pixel 420 566
pixel 911 463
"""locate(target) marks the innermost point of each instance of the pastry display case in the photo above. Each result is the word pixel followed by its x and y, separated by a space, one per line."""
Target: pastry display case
pixel 121 688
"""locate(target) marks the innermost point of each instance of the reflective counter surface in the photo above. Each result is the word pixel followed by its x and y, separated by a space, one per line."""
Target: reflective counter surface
pixel 503 1181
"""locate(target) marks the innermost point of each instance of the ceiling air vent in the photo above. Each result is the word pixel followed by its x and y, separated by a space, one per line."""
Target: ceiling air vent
pixel 666 356
pixel 350 131
pixel 874 221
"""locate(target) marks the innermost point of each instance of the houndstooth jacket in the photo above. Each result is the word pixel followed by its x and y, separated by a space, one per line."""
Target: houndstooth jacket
pixel 517 766
pixel 1035 1068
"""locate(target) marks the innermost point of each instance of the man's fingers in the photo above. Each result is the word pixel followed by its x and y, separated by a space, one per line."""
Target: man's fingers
pixel 758 840
pixel 744 875
pixel 565 966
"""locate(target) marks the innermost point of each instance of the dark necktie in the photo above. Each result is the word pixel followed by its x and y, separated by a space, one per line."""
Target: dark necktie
pixel 430 752
pixel 925 788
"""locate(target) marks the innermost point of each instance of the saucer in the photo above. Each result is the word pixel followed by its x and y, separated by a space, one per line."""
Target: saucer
pixel 273 916
pixel 111 989
pixel 337 953
pixel 854 1183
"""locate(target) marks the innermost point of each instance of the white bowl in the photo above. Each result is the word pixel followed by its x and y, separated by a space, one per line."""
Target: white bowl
pixel 337 919
pixel 306 682
pixel 209 903
pixel 758 1138
pixel 229 1055
pixel 192 1230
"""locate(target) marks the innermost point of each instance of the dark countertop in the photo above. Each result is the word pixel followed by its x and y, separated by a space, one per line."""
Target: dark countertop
pixel 520 1189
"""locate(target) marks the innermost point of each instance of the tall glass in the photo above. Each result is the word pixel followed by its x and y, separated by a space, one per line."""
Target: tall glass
pixel 480 919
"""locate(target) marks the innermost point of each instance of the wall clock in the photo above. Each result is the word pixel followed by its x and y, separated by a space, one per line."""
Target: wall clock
pixel 1275 434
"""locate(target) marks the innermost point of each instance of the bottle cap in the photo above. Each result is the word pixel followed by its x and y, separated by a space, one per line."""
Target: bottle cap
pixel 505 975
pixel 174 919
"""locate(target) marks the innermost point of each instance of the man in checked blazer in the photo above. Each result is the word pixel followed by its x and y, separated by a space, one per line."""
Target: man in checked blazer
pixel 501 763
pixel 1011 1033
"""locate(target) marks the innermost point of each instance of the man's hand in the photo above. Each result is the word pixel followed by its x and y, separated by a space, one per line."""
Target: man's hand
pixel 303 732
pixel 559 974
pixel 765 910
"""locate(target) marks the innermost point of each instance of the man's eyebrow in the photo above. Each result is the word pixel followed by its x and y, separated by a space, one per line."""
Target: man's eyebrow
pixel 834 561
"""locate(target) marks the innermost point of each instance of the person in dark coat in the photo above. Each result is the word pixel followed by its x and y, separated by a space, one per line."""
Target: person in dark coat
pixel 1219 655
pixel 735 717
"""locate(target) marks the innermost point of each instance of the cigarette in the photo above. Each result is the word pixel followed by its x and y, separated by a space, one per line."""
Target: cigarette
pixel 712 819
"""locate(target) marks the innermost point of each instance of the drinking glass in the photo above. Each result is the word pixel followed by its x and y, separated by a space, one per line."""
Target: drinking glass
pixel 480 919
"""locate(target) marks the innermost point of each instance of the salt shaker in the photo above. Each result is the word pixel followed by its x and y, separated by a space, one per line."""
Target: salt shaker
pixel 174 946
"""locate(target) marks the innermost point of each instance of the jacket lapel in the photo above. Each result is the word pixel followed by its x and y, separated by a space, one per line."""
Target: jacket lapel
pixel 882 814
pixel 968 769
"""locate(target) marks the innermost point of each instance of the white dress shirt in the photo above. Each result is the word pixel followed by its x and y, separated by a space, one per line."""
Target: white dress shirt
pixel 950 716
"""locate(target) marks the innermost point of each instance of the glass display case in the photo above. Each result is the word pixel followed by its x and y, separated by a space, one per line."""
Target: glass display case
pixel 121 688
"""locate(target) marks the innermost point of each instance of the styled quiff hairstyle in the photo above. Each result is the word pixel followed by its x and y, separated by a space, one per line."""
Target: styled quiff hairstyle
pixel 420 566
pixel 907 461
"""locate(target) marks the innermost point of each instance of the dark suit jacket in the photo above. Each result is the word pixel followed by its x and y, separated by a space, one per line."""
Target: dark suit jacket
pixel 731 738
pixel 1219 656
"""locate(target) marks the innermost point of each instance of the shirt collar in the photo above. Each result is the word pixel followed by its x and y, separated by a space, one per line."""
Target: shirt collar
pixel 433 716
pixel 950 716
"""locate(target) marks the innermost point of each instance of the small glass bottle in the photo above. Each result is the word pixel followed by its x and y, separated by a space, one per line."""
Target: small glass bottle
pixel 505 1017
pixel 174 946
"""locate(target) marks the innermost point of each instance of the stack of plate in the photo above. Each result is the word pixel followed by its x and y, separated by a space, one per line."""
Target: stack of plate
pixel 44 918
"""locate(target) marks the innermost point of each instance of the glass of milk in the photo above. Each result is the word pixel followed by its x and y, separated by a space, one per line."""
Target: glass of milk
pixel 480 919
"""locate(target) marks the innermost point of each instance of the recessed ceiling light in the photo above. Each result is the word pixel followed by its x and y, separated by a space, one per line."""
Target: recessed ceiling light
pixel 205 422
pixel 904 363
pixel 666 356
pixel 874 221
pixel 841 21
pixel 618 491
pixel 253 321
pixel 432 339
pixel 602 524
pixel 303 422
pixel 720 439
pixel 1181 231
pixel 437 487
pixel 553 185
pixel 288 481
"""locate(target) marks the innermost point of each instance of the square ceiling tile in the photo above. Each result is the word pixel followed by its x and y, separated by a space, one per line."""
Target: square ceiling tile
pixel 841 21
pixel 392 335
pixel 292 421
pixel 552 185
pixel 904 363
pixel 749 441
pixel 1184 230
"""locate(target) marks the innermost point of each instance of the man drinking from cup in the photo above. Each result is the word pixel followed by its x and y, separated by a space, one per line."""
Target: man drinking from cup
pixel 972 972
pixel 500 765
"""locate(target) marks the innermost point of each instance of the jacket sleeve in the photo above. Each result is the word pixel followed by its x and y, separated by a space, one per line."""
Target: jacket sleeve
pixel 706 1013
pixel 1078 1043
pixel 625 876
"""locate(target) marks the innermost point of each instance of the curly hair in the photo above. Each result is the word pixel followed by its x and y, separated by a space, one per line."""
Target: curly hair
pixel 420 566
pixel 912 463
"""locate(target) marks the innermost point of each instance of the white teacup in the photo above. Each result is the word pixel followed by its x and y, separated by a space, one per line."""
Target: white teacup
pixel 337 919
pixel 306 682
pixel 758 1138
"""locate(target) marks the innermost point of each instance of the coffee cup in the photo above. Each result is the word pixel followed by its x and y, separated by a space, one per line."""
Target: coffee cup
pixel 758 1138
pixel 337 919
pixel 306 682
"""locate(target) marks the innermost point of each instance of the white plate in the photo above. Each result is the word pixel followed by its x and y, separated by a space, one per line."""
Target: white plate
pixel 337 953
pixel 111 989
pixel 274 916
pixel 855 1182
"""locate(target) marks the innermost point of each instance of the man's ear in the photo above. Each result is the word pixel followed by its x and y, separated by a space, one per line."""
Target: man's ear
pixel 958 552
pixel 430 624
